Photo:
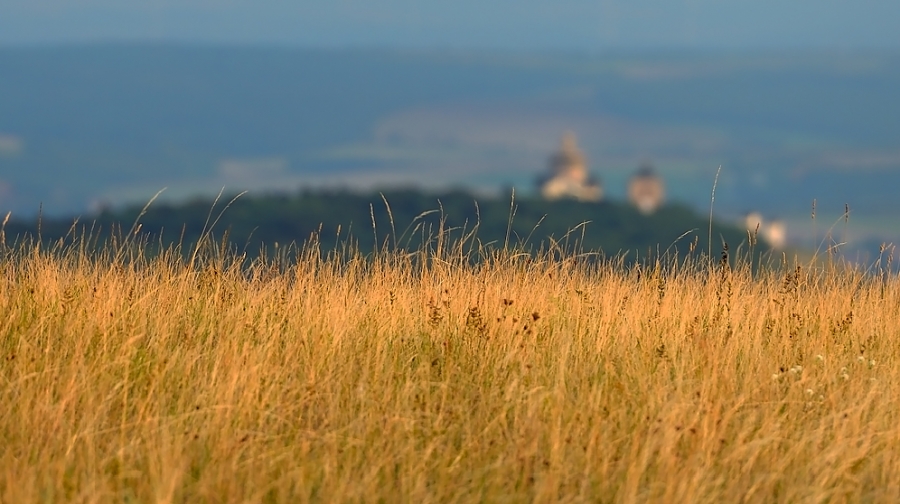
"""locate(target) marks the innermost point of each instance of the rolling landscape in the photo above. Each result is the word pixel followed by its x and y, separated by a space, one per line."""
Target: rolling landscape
pixel 93 126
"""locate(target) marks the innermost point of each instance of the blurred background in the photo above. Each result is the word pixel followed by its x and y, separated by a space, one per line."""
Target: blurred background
pixel 104 102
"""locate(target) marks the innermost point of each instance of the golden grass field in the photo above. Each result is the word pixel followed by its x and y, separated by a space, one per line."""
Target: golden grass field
pixel 431 378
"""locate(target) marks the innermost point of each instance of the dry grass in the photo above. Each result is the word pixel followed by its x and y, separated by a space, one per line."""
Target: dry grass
pixel 133 379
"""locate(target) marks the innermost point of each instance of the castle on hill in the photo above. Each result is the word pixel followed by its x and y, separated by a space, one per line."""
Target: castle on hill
pixel 568 177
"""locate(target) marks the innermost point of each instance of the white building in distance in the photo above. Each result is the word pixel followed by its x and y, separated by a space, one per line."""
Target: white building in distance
pixel 569 177
pixel 774 233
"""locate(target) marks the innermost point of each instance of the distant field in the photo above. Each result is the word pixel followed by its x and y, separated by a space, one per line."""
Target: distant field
pixel 430 378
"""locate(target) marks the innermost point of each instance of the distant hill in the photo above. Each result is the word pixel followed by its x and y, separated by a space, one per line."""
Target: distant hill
pixel 402 218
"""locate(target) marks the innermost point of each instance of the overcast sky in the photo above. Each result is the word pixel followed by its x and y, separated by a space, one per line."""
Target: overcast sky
pixel 579 25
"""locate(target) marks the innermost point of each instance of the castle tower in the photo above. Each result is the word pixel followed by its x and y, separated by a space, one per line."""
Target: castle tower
pixel 568 175
pixel 646 190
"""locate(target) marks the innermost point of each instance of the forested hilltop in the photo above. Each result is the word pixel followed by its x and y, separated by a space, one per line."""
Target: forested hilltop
pixel 402 218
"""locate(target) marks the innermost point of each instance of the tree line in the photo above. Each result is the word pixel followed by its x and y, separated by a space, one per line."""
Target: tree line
pixel 396 219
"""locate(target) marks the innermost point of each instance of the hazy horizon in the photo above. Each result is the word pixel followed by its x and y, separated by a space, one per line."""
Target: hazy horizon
pixel 568 25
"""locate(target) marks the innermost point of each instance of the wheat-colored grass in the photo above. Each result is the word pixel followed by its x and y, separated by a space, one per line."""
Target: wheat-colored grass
pixel 430 378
